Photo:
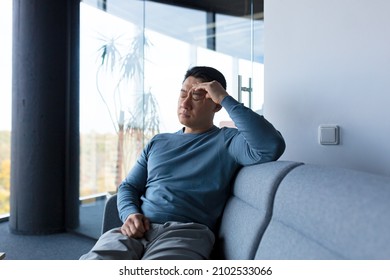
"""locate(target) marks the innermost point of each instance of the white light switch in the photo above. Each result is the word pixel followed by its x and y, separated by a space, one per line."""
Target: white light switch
pixel 328 134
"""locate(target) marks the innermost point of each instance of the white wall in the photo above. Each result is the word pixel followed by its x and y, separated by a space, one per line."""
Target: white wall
pixel 328 62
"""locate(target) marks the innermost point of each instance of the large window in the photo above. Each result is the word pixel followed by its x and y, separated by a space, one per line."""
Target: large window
pixel 5 103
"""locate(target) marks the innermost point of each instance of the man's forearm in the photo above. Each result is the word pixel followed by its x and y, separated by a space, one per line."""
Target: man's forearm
pixel 260 134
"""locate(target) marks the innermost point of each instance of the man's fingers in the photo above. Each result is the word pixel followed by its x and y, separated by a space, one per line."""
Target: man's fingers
pixel 138 225
pixel 125 230
pixel 135 226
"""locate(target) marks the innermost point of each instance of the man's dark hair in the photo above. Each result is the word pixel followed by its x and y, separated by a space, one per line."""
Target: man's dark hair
pixel 206 74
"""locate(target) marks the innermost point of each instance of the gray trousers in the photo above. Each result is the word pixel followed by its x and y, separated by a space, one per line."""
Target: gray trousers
pixel 169 241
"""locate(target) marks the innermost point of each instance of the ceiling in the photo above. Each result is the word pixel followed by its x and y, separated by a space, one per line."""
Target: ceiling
pixel 228 7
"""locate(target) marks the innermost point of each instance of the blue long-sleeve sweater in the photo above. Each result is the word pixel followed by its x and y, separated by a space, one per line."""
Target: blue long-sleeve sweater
pixel 185 177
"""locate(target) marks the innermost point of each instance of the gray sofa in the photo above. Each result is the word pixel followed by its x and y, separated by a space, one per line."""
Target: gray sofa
pixel 290 210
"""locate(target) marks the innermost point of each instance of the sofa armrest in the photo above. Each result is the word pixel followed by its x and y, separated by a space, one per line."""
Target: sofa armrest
pixel 111 215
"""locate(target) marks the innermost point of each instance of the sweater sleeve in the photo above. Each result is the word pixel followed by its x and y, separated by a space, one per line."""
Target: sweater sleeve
pixel 256 140
pixel 132 188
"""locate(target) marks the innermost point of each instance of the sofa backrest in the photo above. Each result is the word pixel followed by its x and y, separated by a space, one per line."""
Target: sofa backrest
pixel 248 211
pixel 329 213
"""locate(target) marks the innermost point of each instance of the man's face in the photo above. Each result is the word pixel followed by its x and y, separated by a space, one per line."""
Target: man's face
pixel 195 111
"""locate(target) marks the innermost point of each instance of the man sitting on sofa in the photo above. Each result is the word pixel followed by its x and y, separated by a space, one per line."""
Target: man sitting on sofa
pixel 172 198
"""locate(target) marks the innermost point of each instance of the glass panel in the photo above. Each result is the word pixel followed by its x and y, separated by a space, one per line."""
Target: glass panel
pixel 175 35
pixel 5 103
pixel 109 81
pixel 242 39
pixel 111 51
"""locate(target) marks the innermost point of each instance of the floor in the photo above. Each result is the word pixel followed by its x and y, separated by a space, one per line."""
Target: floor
pixel 60 246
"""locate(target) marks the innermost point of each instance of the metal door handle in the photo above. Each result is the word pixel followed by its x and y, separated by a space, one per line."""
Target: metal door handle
pixel 247 89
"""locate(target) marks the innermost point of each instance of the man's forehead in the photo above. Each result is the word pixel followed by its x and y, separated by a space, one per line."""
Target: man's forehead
pixel 191 81
pixel 187 86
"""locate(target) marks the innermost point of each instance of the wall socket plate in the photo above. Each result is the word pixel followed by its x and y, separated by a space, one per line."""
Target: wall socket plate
pixel 329 134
